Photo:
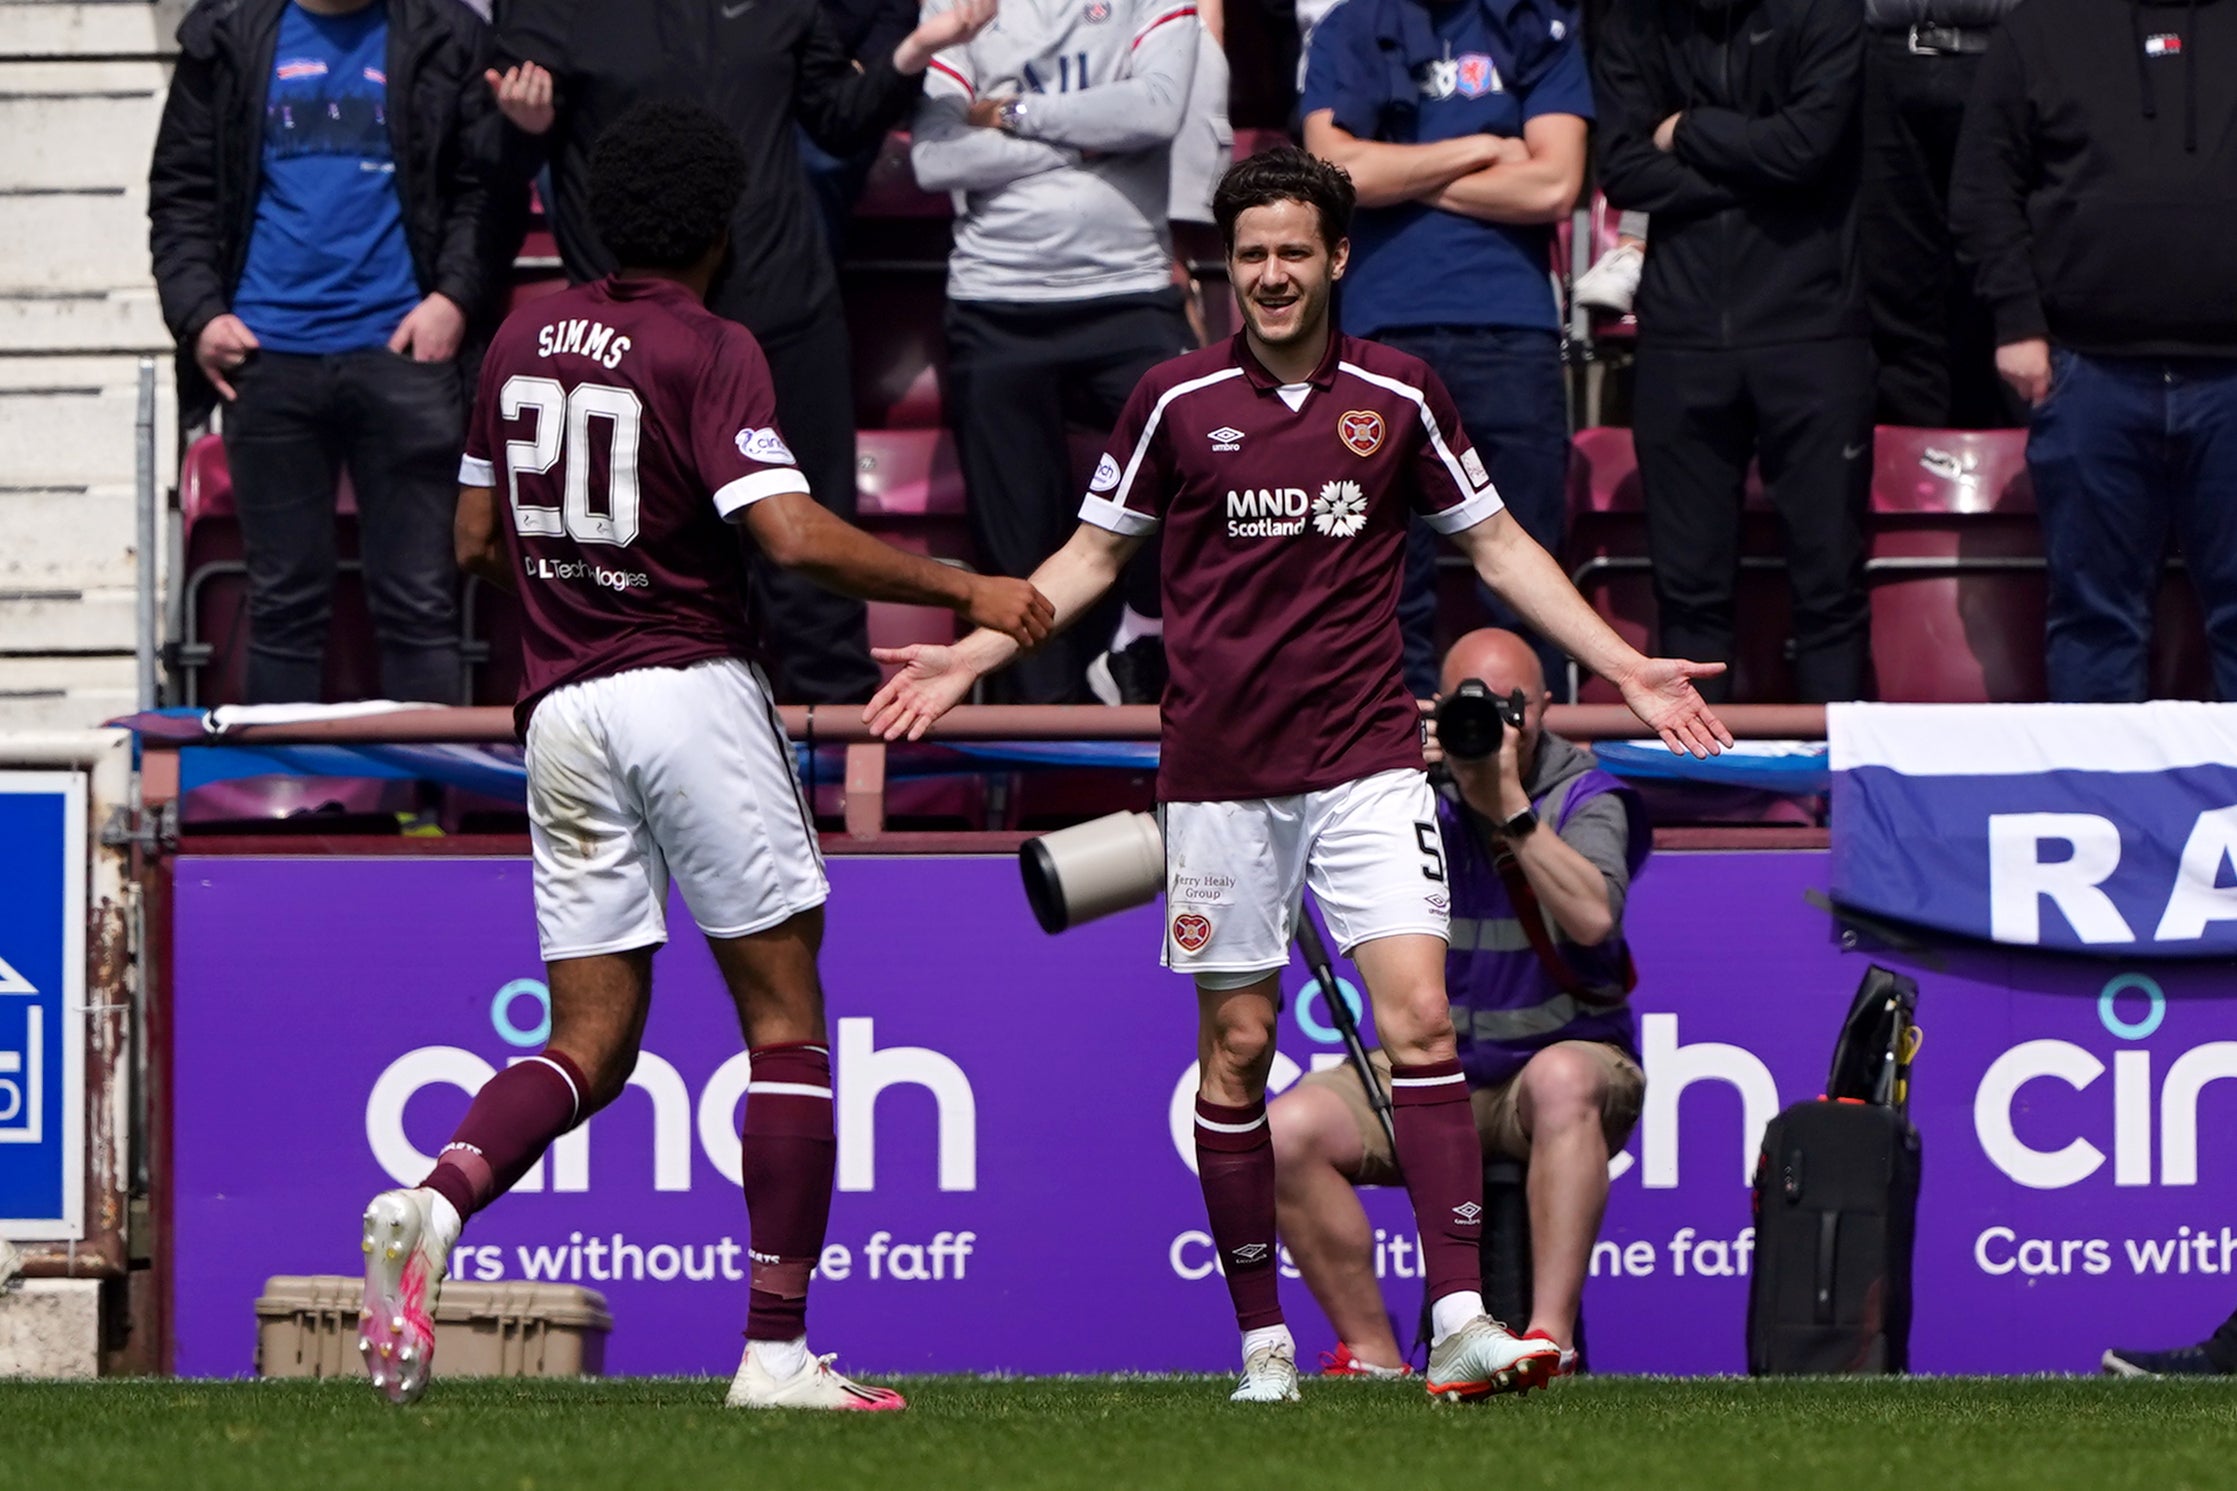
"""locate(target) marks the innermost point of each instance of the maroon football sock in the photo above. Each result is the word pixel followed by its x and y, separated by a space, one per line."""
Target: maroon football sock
pixel 1444 1168
pixel 789 1157
pixel 512 1121
pixel 1235 1161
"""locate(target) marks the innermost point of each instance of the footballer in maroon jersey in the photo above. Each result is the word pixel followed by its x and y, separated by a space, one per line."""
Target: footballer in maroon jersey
pixel 621 429
pixel 1282 468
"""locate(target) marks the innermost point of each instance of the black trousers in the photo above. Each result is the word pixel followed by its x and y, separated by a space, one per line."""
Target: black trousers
pixel 1934 339
pixel 1804 410
pixel 820 640
pixel 397 425
pixel 1018 373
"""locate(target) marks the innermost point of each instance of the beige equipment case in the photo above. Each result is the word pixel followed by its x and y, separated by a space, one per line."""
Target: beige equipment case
pixel 307 1327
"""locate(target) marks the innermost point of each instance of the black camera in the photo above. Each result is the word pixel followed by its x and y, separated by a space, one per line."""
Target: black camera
pixel 1471 720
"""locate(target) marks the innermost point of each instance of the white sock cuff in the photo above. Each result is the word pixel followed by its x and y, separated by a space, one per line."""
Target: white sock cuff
pixel 1267 1335
pixel 1453 1311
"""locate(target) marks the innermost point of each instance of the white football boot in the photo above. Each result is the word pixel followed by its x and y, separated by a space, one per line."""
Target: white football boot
pixel 408 1241
pixel 813 1386
pixel 1483 1358
pixel 1269 1375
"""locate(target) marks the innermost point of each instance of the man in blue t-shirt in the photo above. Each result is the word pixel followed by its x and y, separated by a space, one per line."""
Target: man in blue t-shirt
pixel 1463 125
pixel 322 227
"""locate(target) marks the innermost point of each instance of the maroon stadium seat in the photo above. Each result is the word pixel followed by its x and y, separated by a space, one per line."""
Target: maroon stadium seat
pixel 213 610
pixel 894 323
pixel 1607 556
pixel 1957 576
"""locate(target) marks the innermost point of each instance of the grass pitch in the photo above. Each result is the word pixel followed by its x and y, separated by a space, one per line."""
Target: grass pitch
pixel 1149 1433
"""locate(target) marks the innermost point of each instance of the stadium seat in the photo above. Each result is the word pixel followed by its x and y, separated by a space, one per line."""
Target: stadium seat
pixel 1607 557
pixel 894 324
pixel 891 190
pixel 1958 582
pixel 210 606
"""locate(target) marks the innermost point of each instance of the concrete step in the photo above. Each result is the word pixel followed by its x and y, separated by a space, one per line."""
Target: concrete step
pixel 68 422
pixel 117 28
pixel 71 75
pixel 72 693
pixel 67 539
pixel 127 321
pixel 77 140
pixel 94 239
pixel 58 622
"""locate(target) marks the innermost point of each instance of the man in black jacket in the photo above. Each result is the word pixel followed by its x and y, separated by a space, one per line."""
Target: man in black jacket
pixel 1734 123
pixel 2095 196
pixel 577 65
pixel 321 220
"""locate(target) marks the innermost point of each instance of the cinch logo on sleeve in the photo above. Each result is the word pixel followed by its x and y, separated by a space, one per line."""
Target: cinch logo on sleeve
pixel 1106 475
pixel 764 445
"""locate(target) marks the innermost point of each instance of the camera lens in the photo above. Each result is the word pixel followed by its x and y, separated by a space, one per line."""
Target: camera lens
pixel 1470 722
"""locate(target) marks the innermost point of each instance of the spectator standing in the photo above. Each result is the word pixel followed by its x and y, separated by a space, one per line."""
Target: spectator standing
pixel 1931 334
pixel 575 66
pixel 2095 197
pixel 867 29
pixel 1463 126
pixel 1055 131
pixel 1734 123
pixel 321 225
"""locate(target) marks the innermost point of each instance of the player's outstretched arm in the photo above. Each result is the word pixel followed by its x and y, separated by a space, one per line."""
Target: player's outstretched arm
pixel 799 535
pixel 933 680
pixel 475 540
pixel 1660 691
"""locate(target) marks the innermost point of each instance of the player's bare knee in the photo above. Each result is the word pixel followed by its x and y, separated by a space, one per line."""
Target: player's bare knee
pixel 1415 1027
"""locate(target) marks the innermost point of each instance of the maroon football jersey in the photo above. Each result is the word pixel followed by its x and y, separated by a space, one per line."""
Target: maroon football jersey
pixel 621 423
pixel 1284 512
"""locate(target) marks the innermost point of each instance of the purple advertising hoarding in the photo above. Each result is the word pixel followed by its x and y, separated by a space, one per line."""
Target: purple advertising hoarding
pixel 1014 1192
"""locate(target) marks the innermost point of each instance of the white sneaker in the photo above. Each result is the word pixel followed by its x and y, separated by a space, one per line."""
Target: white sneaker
pixel 1612 284
pixel 406 1256
pixel 1483 1358
pixel 813 1386
pixel 1269 1376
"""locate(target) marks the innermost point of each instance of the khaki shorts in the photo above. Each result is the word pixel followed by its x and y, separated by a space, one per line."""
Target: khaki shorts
pixel 1498 1109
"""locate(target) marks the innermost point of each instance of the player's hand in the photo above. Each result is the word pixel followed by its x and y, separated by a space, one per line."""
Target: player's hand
pixel 524 96
pixel 950 28
pixel 1012 607
pixel 1662 694
pixel 932 681
pixel 432 332
pixel 222 347
pixel 1432 749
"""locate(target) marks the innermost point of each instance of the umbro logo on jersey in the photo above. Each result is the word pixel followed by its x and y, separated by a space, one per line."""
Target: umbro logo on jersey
pixel 764 445
pixel 1361 430
pixel 1227 437
pixel 1340 510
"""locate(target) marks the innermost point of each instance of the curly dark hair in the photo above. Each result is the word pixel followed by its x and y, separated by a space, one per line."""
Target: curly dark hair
pixel 664 181
pixel 1285 174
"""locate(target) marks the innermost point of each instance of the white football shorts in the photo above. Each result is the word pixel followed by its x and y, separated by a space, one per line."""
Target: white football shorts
pixel 1234 871
pixel 660 771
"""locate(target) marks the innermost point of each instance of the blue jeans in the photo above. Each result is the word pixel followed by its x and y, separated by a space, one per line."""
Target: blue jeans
pixel 1506 382
pixel 2120 449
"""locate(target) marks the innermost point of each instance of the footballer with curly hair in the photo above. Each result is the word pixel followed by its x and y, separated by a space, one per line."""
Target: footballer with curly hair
pixel 628 427
pixel 1283 466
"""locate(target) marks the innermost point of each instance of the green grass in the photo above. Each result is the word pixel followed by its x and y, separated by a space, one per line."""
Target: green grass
pixel 644 1434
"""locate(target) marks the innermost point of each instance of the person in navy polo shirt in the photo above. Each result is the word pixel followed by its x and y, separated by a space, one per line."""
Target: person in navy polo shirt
pixel 322 224
pixel 1462 123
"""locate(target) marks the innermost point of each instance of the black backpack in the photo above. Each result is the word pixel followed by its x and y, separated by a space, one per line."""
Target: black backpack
pixel 1836 1204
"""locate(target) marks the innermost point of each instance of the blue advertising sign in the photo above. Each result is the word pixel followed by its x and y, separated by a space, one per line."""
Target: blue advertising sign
pixel 2095 828
pixel 42 1006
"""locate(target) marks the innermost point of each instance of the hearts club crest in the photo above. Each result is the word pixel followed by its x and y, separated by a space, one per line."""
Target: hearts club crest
pixel 1191 930
pixel 1361 430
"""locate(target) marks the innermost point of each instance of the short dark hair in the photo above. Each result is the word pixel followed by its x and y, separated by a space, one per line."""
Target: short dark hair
pixel 664 181
pixel 1285 174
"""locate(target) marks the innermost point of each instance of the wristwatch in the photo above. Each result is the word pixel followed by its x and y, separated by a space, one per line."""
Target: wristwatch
pixel 1008 116
pixel 1519 827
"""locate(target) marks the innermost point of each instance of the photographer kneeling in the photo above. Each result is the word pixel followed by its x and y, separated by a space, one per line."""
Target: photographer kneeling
pixel 1531 829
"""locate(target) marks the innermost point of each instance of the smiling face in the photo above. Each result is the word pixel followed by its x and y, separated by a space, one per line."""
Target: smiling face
pixel 1283 274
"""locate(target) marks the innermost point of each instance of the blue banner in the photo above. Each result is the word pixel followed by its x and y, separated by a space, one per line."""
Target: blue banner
pixel 2105 829
pixel 42 1005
